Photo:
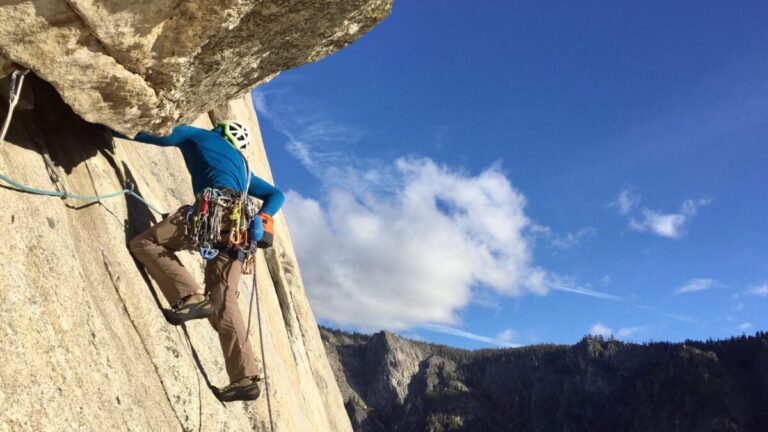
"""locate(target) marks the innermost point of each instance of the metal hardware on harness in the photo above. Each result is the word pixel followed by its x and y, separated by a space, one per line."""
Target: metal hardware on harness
pixel 206 226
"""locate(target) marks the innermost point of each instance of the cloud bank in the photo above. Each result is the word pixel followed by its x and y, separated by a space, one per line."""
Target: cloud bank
pixel 416 255
pixel 403 243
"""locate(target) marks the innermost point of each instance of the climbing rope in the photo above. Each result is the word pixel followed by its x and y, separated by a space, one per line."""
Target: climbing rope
pixel 67 195
pixel 250 304
pixel 13 100
pixel 255 294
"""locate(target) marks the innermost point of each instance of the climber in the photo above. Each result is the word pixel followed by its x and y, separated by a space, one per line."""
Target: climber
pixel 225 228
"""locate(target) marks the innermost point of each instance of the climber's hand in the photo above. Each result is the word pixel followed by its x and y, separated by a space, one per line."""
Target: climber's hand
pixel 268 228
pixel 256 231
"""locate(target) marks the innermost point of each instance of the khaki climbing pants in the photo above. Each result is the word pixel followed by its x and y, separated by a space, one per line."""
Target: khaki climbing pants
pixel 156 248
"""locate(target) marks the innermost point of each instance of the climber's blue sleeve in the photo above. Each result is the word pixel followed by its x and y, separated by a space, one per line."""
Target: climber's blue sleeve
pixel 178 136
pixel 271 197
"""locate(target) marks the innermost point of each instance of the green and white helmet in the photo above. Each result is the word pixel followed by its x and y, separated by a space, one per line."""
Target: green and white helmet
pixel 236 133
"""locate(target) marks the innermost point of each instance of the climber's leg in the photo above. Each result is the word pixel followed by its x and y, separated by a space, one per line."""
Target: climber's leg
pixel 155 249
pixel 222 275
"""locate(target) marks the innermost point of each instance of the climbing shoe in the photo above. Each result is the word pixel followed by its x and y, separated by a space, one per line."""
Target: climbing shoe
pixel 246 389
pixel 191 307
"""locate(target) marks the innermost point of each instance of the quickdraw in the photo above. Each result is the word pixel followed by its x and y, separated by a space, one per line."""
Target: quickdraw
pixel 236 236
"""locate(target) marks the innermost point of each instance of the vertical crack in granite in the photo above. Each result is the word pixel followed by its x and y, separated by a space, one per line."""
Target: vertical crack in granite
pixel 116 285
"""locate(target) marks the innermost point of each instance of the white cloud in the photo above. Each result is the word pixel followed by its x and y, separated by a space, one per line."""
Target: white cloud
pixel 586 291
pixel 760 290
pixel 566 241
pixel 260 103
pixel 572 239
pixel 398 260
pixel 626 202
pixel 691 207
pixel 507 335
pixel 664 225
pixel 669 225
pixel 745 326
pixel 681 318
pixel 414 336
pixel 674 316
pixel 300 151
pixel 696 285
pixel 598 329
pixel 625 332
pixel 323 147
pixel 467 335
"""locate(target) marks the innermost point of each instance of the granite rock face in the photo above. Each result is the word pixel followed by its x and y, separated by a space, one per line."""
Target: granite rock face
pixel 84 344
pixel 151 64
pixel 595 385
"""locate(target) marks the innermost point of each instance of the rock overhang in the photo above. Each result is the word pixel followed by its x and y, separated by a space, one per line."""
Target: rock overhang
pixel 149 65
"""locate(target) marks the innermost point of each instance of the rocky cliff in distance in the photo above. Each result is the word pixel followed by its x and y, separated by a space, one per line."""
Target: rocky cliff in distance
pixel 394 384
pixel 152 64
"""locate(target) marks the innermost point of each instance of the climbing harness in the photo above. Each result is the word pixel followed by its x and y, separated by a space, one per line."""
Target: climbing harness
pixel 223 221
pixel 14 98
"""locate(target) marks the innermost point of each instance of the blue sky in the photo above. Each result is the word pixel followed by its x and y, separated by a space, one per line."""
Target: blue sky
pixel 514 173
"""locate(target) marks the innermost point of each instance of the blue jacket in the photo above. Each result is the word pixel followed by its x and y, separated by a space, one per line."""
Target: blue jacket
pixel 213 162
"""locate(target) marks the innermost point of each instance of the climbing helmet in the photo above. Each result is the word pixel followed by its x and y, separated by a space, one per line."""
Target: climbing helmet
pixel 236 133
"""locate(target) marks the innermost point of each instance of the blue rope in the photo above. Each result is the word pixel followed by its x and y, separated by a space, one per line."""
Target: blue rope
pixel 65 195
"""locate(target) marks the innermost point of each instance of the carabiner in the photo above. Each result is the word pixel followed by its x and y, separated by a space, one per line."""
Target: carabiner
pixel 235 237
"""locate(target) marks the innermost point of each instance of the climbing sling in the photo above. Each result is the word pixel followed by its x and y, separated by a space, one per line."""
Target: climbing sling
pixel 15 93
pixel 13 99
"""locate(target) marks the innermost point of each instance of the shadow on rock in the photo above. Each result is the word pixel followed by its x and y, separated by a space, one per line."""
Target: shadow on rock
pixel 44 123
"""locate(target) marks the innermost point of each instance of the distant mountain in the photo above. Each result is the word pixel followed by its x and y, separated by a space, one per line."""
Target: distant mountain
pixel 393 384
